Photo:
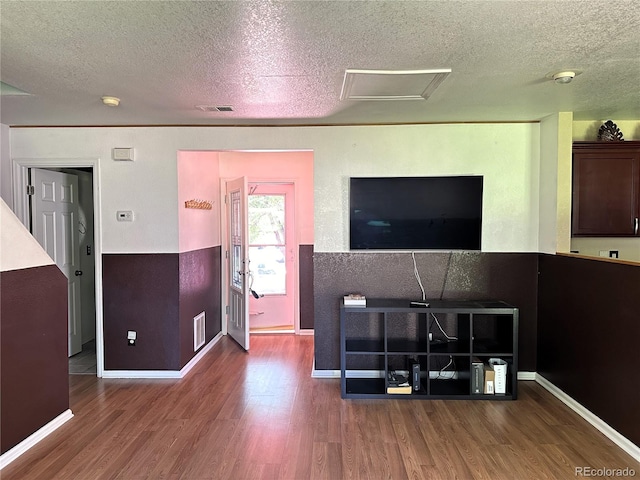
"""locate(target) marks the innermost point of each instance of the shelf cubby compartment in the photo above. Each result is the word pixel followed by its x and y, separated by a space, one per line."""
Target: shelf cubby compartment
pixel 449 347
pixel 511 376
pixel 449 374
pixel 365 386
pixel 364 345
pixel 406 347
pixel 493 334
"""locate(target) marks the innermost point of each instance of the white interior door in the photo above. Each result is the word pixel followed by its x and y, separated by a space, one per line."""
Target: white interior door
pixel 54 222
pixel 238 262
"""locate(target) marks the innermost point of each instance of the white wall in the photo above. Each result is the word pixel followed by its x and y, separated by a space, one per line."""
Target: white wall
pixel 506 154
pixel 5 165
pixel 587 130
pixel 555 183
pixel 18 248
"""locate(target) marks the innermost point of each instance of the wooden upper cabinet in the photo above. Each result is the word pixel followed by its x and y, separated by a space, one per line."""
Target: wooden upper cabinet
pixel 606 189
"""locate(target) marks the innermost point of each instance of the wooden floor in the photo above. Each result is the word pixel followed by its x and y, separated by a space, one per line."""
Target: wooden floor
pixel 262 416
pixel 84 363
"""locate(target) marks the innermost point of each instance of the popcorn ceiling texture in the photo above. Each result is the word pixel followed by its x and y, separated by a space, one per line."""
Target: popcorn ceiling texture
pixel 284 62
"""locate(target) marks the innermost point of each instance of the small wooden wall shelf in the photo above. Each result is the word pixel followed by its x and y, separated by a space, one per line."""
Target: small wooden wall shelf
pixel 198 204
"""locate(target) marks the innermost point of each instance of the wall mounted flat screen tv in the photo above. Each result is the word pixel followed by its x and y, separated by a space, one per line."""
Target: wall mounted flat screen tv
pixel 415 213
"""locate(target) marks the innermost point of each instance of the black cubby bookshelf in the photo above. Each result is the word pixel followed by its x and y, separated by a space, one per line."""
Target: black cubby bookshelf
pixel 391 335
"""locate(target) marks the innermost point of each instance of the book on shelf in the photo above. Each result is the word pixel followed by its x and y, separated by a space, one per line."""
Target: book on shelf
pixel 477 376
pixel 400 389
pixel 489 379
pixel 355 300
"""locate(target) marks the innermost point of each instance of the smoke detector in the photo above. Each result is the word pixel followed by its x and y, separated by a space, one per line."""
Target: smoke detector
pixel 563 77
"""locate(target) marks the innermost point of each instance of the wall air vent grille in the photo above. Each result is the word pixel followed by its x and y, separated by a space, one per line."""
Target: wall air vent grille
pixel 198 331
pixel 215 108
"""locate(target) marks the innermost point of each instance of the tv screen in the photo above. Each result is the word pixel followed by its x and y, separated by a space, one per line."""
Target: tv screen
pixel 415 213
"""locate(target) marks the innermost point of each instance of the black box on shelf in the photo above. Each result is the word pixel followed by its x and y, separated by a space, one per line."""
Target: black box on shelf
pixel 415 376
pixel 477 376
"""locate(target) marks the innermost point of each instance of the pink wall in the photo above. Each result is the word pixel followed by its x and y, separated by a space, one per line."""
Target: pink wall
pixel 198 178
pixel 199 175
pixel 291 166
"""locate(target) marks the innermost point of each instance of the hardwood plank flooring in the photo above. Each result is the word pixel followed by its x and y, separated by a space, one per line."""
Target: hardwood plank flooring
pixel 261 416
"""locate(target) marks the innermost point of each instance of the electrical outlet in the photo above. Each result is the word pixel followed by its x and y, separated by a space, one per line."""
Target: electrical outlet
pixel 131 338
pixel 430 336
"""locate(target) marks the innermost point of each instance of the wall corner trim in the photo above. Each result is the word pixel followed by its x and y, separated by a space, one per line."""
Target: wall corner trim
pixel 621 441
pixel 164 373
pixel 29 442
pixel 192 363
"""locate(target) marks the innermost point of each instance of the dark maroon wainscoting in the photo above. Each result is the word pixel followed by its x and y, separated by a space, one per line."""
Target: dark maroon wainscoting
pixel 306 286
pixel 34 364
pixel 199 292
pixel 157 295
pixel 141 293
pixel 511 277
pixel 589 336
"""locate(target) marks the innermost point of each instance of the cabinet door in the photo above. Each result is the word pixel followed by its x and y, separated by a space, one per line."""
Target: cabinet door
pixel 605 193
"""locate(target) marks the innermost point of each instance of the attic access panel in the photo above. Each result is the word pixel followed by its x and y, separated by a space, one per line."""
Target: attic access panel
pixel 391 84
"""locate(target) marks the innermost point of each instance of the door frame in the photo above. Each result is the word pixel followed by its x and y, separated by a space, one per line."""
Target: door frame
pixel 224 232
pixel 291 233
pixel 19 170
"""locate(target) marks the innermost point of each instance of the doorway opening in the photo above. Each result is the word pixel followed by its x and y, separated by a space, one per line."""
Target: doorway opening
pixel 70 242
pixel 282 172
pixel 272 257
pixel 83 225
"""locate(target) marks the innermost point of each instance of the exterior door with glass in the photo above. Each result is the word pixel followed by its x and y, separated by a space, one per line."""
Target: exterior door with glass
pixel 238 262
pixel 272 250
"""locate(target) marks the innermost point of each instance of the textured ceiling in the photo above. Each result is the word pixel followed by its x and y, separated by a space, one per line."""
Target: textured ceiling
pixel 284 62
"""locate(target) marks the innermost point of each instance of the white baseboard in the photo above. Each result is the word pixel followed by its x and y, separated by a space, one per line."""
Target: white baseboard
pixel 527 376
pixel 192 363
pixel 613 435
pixel 10 455
pixel 141 374
pixel 306 331
pixel 163 373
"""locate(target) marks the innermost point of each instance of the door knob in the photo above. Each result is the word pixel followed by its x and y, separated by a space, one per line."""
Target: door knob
pixel 78 273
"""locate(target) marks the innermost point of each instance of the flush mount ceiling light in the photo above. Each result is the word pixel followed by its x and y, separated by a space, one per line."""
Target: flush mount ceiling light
pixel 111 101
pixel 391 84
pixel 564 77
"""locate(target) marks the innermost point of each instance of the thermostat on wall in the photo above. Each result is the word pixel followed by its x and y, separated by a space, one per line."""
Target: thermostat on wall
pixel 124 215
pixel 122 154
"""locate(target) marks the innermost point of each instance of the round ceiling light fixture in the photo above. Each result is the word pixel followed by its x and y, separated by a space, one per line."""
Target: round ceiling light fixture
pixel 563 77
pixel 111 101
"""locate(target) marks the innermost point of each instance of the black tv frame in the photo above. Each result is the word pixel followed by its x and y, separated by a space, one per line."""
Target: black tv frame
pixel 416 213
